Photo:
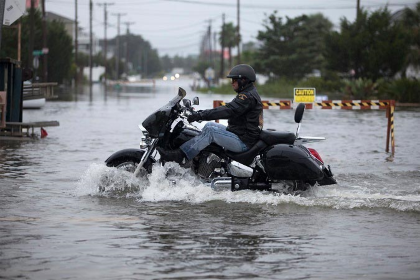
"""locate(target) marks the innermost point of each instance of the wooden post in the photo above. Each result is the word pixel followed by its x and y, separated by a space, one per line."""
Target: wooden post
pixel 217 103
pixel 388 115
pixel 19 40
pixel 392 105
pixel 390 131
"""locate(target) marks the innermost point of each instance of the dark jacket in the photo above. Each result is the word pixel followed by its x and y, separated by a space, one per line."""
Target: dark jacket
pixel 244 114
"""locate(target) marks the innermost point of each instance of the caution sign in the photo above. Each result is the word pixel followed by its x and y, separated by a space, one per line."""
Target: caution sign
pixel 304 95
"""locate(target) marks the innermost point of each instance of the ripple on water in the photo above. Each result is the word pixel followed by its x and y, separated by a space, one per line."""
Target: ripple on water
pixel 361 191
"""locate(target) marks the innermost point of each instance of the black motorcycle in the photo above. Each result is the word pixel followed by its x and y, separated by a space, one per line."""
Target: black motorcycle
pixel 277 162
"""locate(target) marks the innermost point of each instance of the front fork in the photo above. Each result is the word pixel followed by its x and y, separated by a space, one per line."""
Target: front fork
pixel 145 156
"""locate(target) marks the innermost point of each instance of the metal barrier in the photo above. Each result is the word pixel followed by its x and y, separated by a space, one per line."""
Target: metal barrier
pixel 39 90
pixel 3 104
pixel 282 104
pixel 388 105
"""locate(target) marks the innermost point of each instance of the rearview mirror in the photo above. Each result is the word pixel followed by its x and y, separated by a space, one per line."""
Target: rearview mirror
pixel 196 101
pixel 299 112
pixel 187 103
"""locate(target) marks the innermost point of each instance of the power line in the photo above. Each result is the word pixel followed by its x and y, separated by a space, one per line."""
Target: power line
pixel 105 4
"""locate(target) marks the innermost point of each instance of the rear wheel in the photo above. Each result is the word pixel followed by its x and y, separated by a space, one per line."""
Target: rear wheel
pixel 290 186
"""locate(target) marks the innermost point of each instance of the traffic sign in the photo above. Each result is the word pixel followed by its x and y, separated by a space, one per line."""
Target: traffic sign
pixel 304 95
pixel 37 52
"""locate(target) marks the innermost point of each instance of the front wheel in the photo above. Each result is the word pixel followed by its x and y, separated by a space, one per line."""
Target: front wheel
pixel 129 164
pixel 121 183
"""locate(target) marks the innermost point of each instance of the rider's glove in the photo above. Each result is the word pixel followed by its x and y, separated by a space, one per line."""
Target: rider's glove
pixel 194 117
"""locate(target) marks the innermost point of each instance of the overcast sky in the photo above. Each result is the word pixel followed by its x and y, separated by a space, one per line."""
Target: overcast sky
pixel 177 26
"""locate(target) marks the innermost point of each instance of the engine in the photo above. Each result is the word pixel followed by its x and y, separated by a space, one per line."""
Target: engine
pixel 209 166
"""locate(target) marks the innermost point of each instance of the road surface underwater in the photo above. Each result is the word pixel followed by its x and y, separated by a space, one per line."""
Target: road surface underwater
pixel 55 224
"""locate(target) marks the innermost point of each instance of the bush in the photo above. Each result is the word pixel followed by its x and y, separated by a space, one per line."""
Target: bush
pixel 361 89
pixel 402 90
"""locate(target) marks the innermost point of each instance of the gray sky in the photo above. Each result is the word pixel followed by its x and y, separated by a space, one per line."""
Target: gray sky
pixel 176 26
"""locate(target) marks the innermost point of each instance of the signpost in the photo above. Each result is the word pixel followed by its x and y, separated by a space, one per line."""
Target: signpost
pixel 35 62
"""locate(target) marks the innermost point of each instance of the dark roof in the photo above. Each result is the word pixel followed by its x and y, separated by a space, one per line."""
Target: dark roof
pixel 53 16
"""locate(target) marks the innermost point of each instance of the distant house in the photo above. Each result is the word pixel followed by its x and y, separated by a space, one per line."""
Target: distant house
pixel 82 36
pixel 68 23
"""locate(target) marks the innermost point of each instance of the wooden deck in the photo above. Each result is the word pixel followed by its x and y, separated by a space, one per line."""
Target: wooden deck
pixel 15 130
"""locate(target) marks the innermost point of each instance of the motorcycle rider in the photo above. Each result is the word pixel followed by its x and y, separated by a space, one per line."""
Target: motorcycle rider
pixel 244 114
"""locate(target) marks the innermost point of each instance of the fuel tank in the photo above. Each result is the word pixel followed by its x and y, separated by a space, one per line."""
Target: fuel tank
pixel 182 135
pixel 288 162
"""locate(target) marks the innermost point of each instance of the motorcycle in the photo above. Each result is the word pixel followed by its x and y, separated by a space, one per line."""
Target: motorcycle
pixel 278 162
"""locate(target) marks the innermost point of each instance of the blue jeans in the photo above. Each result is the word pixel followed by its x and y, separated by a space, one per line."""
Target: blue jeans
pixel 213 133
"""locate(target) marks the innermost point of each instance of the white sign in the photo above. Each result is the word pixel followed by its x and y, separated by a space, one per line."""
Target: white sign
pixel 209 74
pixel 36 62
pixel 13 10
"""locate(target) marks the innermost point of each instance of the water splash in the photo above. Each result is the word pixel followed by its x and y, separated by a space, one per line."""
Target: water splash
pixel 174 183
pixel 102 180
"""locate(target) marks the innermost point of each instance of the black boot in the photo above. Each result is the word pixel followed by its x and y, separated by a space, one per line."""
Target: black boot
pixel 175 155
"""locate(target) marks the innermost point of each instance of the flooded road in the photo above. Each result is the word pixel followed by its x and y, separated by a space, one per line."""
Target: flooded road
pixel 55 225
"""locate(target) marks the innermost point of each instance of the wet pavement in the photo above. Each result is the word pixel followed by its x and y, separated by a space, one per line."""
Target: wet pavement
pixel 54 224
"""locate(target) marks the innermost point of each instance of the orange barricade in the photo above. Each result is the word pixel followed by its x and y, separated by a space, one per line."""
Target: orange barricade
pixel 388 105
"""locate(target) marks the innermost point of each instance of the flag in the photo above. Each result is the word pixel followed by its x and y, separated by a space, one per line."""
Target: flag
pixel 43 133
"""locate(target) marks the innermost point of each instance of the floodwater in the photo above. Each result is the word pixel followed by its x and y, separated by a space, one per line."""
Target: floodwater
pixel 55 225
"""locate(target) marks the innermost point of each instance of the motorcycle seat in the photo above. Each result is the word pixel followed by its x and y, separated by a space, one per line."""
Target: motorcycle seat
pixel 273 137
pixel 247 157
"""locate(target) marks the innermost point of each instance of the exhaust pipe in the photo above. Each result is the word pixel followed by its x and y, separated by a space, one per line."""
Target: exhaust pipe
pixel 221 184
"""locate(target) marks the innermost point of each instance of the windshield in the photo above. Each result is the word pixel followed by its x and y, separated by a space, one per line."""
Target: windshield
pixel 155 124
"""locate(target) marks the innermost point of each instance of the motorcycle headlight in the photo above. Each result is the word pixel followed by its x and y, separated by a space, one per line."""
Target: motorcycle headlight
pixel 145 140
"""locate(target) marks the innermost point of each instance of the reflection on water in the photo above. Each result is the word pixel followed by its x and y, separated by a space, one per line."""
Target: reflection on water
pixel 55 224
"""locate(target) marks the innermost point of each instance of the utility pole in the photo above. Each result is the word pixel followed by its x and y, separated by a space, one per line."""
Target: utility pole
pixel 210 48
pixel 19 39
pixel 117 49
pixel 2 6
pixel 44 44
pixel 76 44
pixel 31 34
pixel 239 35
pixel 105 4
pixel 358 9
pixel 90 48
pixel 222 47
pixel 127 23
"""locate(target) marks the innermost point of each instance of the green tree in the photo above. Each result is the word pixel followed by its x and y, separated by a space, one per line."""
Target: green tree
pixel 372 47
pixel 141 57
pixel 167 63
pixel 59 43
pixel 411 21
pixel 294 48
pixel 60 56
pixel 230 38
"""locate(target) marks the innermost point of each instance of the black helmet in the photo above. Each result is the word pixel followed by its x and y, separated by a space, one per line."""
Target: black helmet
pixel 242 71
